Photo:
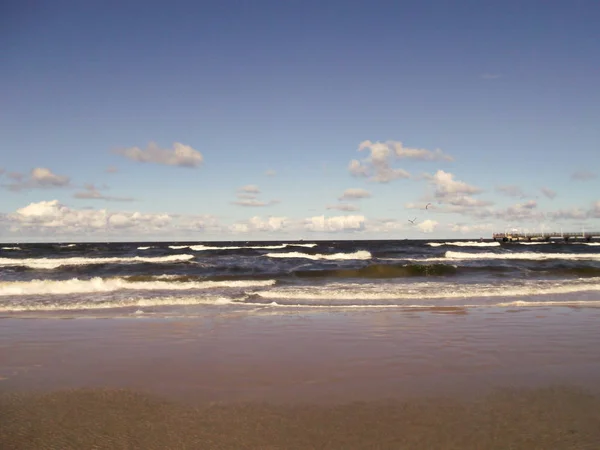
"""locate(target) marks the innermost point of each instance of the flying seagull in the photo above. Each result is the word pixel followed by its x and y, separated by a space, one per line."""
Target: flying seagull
pixel 412 221
pixel 427 205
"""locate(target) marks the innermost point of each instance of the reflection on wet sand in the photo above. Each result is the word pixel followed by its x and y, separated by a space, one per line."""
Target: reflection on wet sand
pixel 368 379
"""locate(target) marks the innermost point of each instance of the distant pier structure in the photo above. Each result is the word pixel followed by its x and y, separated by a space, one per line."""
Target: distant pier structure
pixel 546 236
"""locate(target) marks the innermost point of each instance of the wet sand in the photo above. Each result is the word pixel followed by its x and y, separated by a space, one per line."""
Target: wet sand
pixel 433 379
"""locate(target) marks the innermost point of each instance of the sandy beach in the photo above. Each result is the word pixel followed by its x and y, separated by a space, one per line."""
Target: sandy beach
pixel 376 379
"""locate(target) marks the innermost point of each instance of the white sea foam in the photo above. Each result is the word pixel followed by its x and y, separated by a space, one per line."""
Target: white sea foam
pixel 53 263
pixel 115 304
pixel 429 290
pixel 552 303
pixel 199 248
pixel 11 248
pixel 465 244
pixel 144 248
pixel 521 255
pixel 77 286
pixel 361 254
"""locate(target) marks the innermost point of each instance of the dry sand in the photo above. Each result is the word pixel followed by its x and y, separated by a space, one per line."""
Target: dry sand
pixel 482 380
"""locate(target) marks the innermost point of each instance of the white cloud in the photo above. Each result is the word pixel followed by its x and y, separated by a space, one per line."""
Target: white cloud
pixel 257 223
pixel 344 207
pixel 246 196
pixel 469 229
pixel 54 218
pixel 466 201
pixel 548 193
pixel 254 202
pixel 427 226
pixel 377 166
pixel 353 193
pixel 180 155
pixel 91 192
pixel 453 192
pixel 335 224
pixel 582 175
pixel 446 185
pixel 384 226
pixel 518 212
pixel 568 214
pixel 250 189
pixel 382 150
pixel 511 190
pixel 39 178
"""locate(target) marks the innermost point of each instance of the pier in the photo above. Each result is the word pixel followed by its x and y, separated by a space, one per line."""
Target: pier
pixel 546 236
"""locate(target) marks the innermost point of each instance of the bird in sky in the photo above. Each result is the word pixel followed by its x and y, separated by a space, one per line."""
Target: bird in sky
pixel 412 221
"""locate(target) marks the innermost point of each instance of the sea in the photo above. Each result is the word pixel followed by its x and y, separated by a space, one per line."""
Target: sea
pixel 166 279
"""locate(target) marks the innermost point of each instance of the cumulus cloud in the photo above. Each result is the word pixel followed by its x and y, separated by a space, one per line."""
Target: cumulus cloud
pixel 518 212
pixel 427 226
pixel 548 193
pixel 250 189
pixel 381 150
pixel 39 178
pixel 568 214
pixel 247 196
pixel 344 207
pixel 471 228
pixel 54 218
pixel 353 194
pixel 335 224
pixel 511 190
pixel 91 192
pixel 180 155
pixel 582 175
pixel 447 190
pixel 253 202
pixel 377 166
pixel 257 223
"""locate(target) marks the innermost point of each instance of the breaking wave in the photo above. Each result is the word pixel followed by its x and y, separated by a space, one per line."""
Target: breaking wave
pixel 465 244
pixel 361 254
pixel 426 290
pixel 53 263
pixel 530 256
pixel 199 248
pixel 77 286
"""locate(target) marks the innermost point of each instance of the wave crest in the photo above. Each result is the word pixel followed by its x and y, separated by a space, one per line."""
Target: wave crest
pixel 53 263
pixel 360 254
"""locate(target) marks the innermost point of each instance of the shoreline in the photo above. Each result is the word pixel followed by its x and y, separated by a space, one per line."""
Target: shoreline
pixel 484 379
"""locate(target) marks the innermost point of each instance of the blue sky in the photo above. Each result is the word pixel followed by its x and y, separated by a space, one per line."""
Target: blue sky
pixel 239 120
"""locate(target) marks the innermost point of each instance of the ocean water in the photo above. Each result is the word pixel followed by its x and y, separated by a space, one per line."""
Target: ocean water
pixel 187 279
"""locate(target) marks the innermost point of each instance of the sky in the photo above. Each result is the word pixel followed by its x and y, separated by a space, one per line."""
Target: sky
pixel 287 119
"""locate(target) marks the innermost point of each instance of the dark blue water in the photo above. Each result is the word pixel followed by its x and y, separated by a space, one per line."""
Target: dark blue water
pixel 117 279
